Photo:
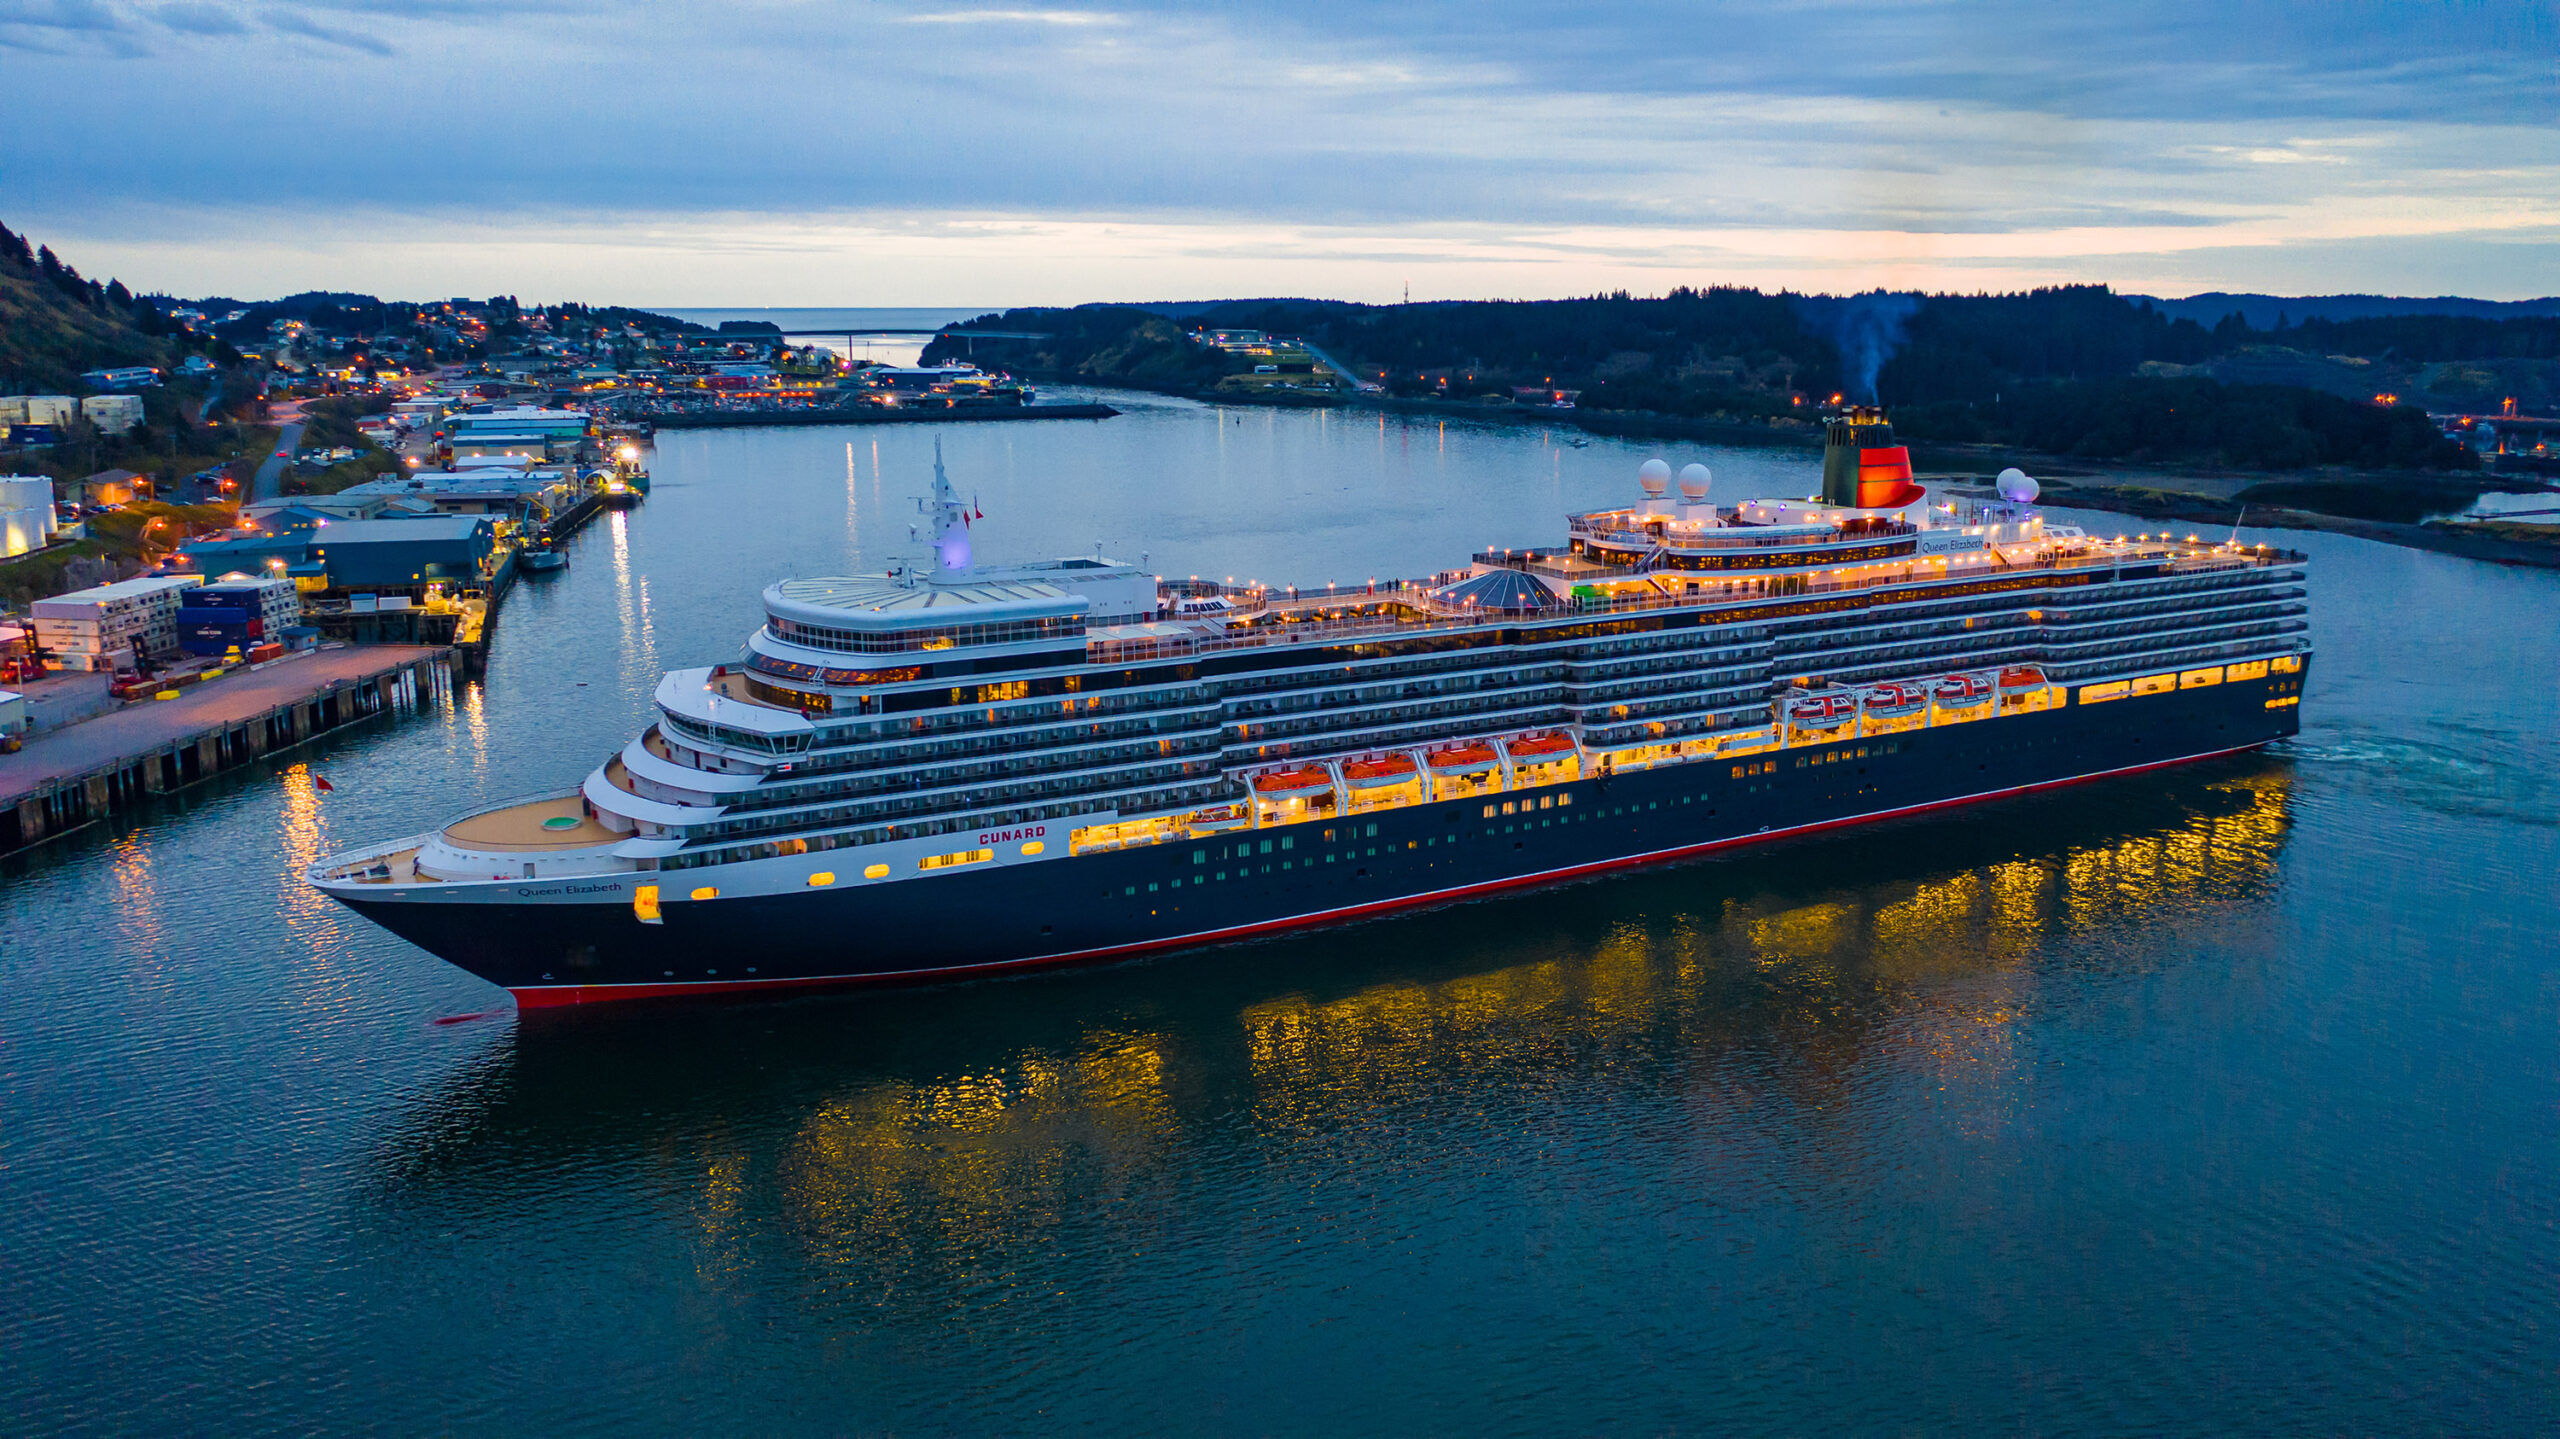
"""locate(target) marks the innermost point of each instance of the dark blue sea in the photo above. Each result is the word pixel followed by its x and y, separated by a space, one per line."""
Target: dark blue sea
pixel 2221 1100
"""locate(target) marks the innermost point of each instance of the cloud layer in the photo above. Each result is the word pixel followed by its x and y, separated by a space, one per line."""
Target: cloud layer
pixel 792 151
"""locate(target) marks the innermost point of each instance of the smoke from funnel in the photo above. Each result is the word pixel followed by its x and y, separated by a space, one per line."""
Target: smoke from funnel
pixel 1868 329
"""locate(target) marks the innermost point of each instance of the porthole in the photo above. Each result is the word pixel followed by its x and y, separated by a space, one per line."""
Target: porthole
pixel 706 892
pixel 1034 847
pixel 822 879
pixel 875 871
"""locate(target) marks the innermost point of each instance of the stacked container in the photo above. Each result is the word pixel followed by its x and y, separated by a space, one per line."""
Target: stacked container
pixel 237 614
pixel 113 626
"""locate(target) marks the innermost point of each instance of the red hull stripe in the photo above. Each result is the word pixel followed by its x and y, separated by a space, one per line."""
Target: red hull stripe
pixel 554 996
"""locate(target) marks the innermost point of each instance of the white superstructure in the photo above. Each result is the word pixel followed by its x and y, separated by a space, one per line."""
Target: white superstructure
pixel 879 728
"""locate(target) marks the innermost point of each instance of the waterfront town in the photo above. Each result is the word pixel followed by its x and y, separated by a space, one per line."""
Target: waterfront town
pixel 198 557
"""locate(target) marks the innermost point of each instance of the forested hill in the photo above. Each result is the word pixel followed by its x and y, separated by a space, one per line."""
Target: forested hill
pixel 1974 365
pixel 2268 312
pixel 55 323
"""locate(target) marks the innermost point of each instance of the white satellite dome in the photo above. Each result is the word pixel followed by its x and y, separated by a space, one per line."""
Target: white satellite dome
pixel 2016 487
pixel 1694 480
pixel 1655 476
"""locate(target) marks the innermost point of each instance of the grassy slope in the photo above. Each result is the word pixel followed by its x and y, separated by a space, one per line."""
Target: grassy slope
pixel 47 339
pixel 116 536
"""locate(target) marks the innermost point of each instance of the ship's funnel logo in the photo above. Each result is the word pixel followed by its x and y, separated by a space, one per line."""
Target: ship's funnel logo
pixel 1862 468
pixel 1884 478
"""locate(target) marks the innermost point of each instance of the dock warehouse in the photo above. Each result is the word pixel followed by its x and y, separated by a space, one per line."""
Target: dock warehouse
pixel 362 554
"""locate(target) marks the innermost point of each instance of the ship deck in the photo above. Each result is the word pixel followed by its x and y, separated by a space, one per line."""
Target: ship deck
pixel 530 826
pixel 1401 607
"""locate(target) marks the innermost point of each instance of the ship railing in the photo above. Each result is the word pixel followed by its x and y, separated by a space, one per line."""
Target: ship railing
pixel 1731 537
pixel 1738 590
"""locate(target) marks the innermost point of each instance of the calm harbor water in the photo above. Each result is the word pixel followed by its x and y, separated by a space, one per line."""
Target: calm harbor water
pixel 2219 1100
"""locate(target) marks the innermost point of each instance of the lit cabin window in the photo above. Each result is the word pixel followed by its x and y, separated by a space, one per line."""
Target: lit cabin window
pixel 822 879
pixel 1034 847
pixel 945 861
pixel 875 871
pixel 706 892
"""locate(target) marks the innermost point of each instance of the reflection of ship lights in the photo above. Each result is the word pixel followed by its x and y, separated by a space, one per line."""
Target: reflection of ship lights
pixel 1900 966
pixel 1918 977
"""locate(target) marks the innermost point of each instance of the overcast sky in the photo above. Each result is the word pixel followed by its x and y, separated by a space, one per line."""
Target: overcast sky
pixel 837 152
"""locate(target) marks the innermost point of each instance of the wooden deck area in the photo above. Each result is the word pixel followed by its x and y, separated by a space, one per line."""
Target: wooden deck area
pixel 534 825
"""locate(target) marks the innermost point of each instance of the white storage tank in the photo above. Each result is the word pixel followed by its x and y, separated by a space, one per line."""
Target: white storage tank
pixel 26 514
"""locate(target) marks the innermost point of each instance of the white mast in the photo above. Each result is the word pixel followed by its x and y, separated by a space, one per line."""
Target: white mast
pixel 950 525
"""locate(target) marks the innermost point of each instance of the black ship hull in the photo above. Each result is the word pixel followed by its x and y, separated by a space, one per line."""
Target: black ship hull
pixel 1182 894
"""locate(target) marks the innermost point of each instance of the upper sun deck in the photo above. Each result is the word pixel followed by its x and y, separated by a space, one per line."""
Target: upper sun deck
pixel 888 602
pixel 1401 608
pixel 1707 527
pixel 997 609
pixel 1551 587
pixel 974 631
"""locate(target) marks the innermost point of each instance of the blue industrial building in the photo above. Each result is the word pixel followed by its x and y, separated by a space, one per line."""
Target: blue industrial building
pixel 407 554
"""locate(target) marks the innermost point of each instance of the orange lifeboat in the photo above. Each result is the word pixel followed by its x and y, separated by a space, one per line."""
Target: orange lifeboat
pixel 1378 773
pixel 1539 749
pixel 2021 678
pixel 1892 701
pixel 1821 711
pixel 1292 783
pixel 1962 690
pixel 1464 759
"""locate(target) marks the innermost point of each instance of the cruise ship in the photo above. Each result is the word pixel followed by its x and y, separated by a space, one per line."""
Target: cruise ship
pixel 953 769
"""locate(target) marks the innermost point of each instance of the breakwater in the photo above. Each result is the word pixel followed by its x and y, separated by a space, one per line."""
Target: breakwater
pixel 736 419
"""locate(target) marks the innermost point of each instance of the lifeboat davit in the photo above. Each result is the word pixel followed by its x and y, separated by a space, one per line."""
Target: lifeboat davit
pixel 2021 678
pixel 1378 773
pixel 1292 783
pixel 1962 690
pixel 1822 711
pixel 1891 701
pixel 1464 759
pixel 1539 749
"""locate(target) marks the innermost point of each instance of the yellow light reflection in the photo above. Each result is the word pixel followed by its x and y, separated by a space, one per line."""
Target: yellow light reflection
pixel 975 1157
pixel 1926 976
pixel 1733 984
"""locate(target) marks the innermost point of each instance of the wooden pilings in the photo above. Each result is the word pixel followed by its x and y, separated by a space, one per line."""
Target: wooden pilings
pixel 191 755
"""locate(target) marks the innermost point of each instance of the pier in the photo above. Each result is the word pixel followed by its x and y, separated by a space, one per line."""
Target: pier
pixel 79 775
